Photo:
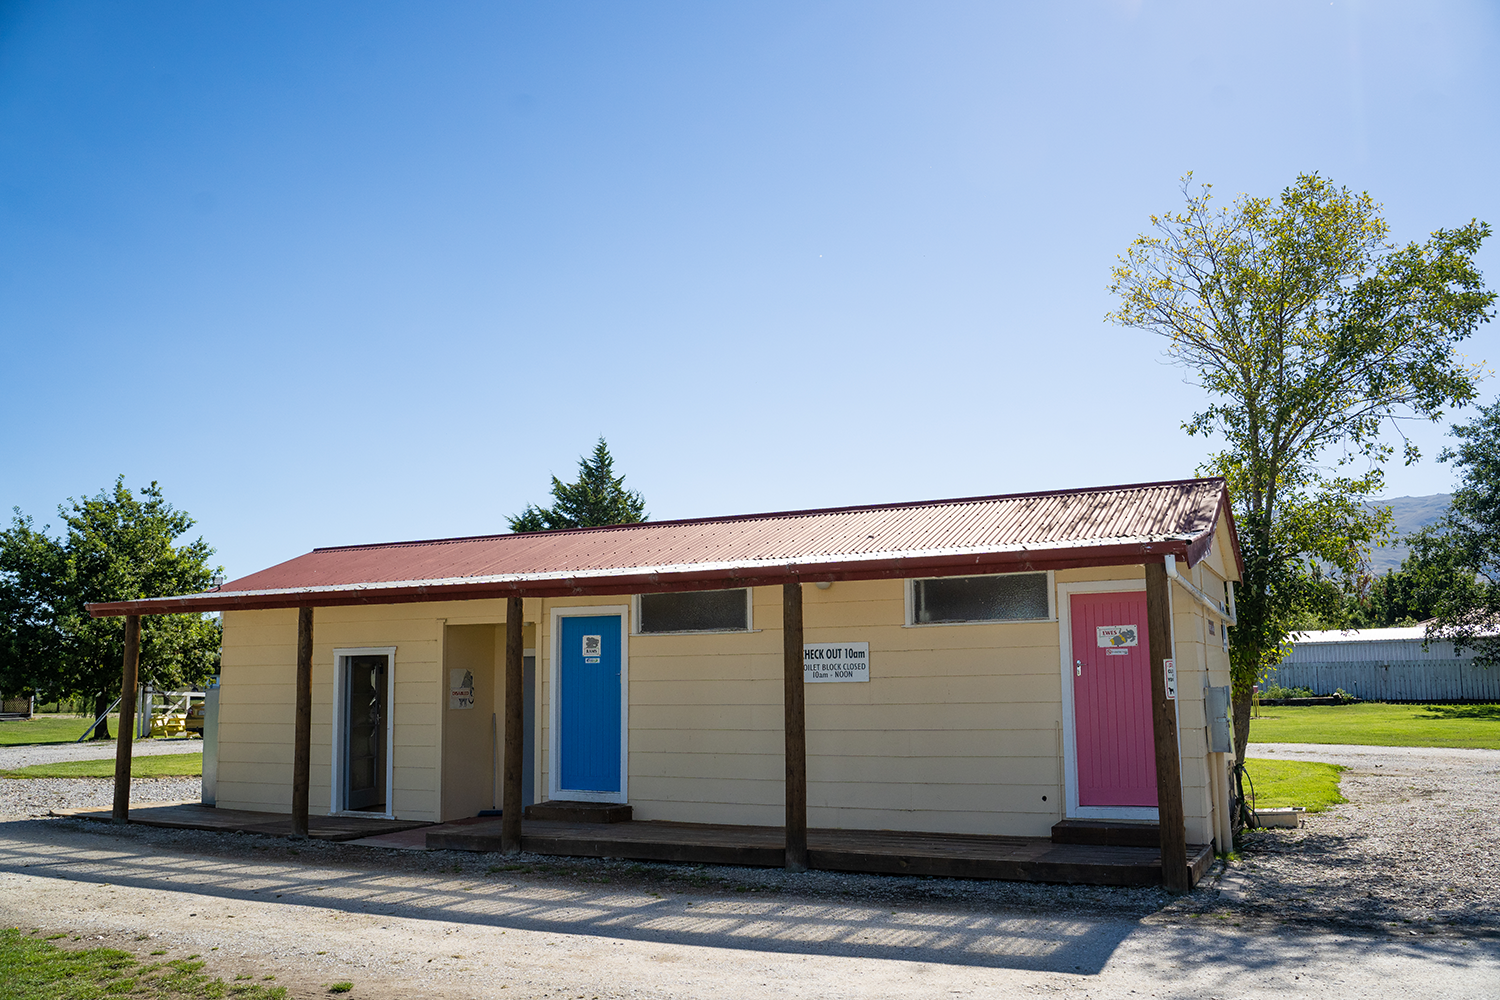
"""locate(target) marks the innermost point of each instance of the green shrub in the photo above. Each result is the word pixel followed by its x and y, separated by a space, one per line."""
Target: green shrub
pixel 1271 691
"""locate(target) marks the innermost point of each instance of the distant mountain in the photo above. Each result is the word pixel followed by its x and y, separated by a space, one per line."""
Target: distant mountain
pixel 1412 514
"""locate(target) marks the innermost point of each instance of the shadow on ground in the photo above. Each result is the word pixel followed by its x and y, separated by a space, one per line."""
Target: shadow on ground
pixel 903 924
pixel 1489 713
pixel 353 880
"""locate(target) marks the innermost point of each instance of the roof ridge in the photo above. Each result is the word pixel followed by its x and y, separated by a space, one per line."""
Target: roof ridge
pixel 769 515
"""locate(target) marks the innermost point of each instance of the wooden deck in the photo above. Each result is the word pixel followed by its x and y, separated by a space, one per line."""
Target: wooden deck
pixel 1016 859
pixel 1019 859
pixel 194 816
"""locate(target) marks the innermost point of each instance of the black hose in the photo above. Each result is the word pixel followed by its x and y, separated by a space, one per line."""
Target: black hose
pixel 1243 809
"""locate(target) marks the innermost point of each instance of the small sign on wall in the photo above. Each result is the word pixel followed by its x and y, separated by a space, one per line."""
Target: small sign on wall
pixel 1170 666
pixel 460 689
pixel 836 663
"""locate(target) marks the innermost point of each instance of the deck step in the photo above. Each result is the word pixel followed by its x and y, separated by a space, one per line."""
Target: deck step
pixel 1027 859
pixel 566 811
pixel 1106 833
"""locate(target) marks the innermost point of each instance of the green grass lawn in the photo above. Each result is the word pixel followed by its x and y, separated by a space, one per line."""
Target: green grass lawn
pixel 1310 784
pixel 48 729
pixel 1379 725
pixel 51 729
pixel 32 968
pixel 167 765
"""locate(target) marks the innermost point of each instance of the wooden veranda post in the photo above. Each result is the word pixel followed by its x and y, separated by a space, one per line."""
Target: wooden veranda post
pixel 302 734
pixel 515 736
pixel 129 676
pixel 794 703
pixel 1174 870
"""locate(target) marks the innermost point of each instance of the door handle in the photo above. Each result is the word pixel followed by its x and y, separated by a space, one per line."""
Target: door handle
pixel 1077 668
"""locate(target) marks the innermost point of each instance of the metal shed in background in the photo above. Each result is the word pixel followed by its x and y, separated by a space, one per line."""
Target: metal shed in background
pixel 1386 664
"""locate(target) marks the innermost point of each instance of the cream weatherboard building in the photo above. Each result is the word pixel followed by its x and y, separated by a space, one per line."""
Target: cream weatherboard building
pixel 975 666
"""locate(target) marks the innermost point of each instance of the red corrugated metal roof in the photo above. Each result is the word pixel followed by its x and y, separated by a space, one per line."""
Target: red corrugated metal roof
pixel 1102 526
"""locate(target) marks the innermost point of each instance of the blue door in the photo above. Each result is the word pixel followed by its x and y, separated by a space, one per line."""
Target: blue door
pixel 589 704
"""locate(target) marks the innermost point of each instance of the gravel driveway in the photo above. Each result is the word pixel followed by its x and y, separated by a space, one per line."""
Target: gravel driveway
pixel 38 796
pixel 1418 843
pixel 446 925
pixel 1394 894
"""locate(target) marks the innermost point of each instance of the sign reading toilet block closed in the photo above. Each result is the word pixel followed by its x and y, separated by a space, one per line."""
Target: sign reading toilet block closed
pixel 836 662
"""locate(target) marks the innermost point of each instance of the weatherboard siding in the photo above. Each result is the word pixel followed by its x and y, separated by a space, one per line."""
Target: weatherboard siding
pixel 1201 662
pixel 257 704
pixel 256 710
pixel 959 729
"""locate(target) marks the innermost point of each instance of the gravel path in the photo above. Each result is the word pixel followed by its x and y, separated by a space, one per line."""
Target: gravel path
pixel 54 753
pixel 1417 844
pixel 449 925
pixel 38 796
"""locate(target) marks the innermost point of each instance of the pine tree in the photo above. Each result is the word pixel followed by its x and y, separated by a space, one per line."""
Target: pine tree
pixel 597 497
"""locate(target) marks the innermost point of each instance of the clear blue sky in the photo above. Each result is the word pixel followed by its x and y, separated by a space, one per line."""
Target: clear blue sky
pixel 345 272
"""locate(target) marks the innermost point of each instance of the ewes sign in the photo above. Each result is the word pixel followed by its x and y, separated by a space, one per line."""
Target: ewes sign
pixel 836 662
pixel 1114 636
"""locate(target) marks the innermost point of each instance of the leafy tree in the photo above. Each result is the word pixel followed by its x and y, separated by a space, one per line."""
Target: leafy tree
pixel 597 497
pixel 116 546
pixel 1320 601
pixel 1471 530
pixel 1313 332
pixel 31 563
pixel 1438 574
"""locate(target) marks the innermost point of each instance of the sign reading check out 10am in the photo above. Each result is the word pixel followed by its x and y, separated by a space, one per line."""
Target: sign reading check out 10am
pixel 836 662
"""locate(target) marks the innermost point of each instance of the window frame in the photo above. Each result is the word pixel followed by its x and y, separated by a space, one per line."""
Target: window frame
pixel 911 601
pixel 636 619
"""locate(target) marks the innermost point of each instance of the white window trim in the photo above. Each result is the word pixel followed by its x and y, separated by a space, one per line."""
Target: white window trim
pixel 911 602
pixel 635 616
pixel 340 738
pixel 554 706
pixel 1065 592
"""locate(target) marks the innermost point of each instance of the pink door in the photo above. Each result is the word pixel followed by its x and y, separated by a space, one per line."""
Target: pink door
pixel 1112 700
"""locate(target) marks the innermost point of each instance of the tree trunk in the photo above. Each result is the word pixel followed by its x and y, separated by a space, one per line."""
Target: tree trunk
pixel 1242 707
pixel 101 703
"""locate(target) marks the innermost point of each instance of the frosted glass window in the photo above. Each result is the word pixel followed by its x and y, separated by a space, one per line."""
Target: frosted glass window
pixel 696 611
pixel 1006 597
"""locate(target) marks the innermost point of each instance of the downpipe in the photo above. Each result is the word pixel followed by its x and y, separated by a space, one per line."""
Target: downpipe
pixel 1224 612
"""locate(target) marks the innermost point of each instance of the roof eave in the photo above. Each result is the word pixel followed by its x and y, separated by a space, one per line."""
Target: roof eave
pixel 662 580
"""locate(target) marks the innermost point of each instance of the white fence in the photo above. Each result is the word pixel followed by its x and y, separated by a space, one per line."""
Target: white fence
pixel 1386 665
